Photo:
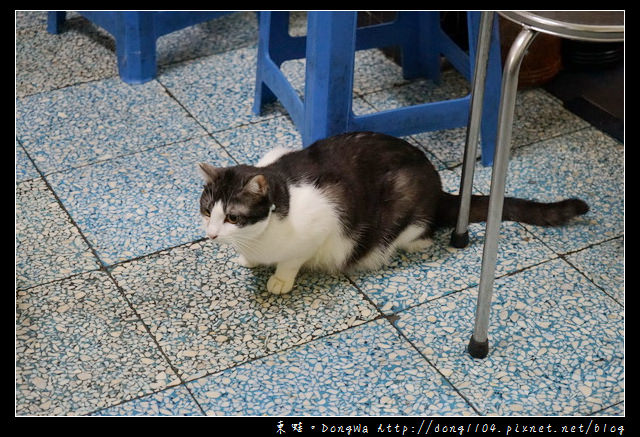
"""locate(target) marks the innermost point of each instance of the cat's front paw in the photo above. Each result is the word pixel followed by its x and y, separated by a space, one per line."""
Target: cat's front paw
pixel 245 262
pixel 276 285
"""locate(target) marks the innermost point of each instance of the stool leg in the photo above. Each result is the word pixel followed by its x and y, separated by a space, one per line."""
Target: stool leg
pixel 421 51
pixel 489 130
pixel 271 24
pixel 479 343
pixel 136 47
pixel 460 236
pixel 328 91
pixel 55 19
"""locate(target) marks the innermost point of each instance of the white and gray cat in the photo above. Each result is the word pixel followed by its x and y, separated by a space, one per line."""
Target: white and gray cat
pixel 345 202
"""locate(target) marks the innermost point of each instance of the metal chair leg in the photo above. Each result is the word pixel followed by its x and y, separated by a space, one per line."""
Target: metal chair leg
pixel 460 236
pixel 479 343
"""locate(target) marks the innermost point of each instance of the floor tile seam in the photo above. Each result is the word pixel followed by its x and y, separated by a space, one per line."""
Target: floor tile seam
pixel 24 150
pixel 115 73
pixel 158 252
pixel 607 407
pixel 63 87
pixel 281 351
pixel 68 214
pixel 555 136
pixel 104 269
pixel 147 328
pixel 565 255
pixel 119 156
pixel 433 366
pixel 565 258
pixel 142 396
pixel 56 280
pixel 212 133
pixel 392 320
pixel 537 141
pixel 474 286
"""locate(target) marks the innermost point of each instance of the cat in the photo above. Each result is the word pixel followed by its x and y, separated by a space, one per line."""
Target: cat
pixel 345 202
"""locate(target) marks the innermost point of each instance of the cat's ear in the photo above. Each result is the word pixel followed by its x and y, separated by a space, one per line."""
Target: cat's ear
pixel 257 185
pixel 208 172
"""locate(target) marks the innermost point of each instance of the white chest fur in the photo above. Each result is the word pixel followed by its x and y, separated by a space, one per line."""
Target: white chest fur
pixel 310 234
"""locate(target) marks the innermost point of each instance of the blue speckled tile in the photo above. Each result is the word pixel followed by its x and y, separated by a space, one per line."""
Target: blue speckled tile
pixel 372 72
pixel 221 34
pixel 556 344
pixel 218 90
pixel 538 116
pixel 247 144
pixel 604 265
pixel 174 401
pixel 614 410
pixel 81 53
pixel 24 167
pixel 79 347
pixel 415 278
pixel 586 164
pixel 140 203
pixel 100 120
pixel 209 314
pixel 48 245
pixel 367 370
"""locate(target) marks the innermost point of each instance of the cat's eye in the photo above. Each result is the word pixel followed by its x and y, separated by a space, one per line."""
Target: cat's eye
pixel 231 218
pixel 206 214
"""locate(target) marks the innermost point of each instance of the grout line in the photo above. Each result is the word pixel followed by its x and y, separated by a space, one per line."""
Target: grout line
pixel 104 268
pixel 392 320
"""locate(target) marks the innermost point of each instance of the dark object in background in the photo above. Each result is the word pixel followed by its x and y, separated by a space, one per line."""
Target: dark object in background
pixel 591 55
pixel 587 77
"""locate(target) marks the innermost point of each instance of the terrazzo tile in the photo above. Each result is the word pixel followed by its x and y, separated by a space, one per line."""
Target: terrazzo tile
pixel 44 62
pixel 413 278
pixel 218 90
pixel 174 401
pixel 140 203
pixel 604 265
pixel 79 347
pixel 538 116
pixel 367 370
pixel 48 245
pixel 30 19
pixel 556 344
pixel 209 314
pixel 586 164
pixel 24 167
pixel 247 144
pixel 96 121
pixel 614 410
pixel 372 71
pixel 221 34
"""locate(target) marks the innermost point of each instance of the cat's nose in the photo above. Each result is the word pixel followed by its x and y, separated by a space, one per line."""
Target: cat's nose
pixel 213 237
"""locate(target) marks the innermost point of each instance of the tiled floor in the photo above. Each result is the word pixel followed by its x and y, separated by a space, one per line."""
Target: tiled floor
pixel 122 307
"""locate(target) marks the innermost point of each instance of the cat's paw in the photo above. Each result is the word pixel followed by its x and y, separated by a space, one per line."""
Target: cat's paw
pixel 245 262
pixel 276 285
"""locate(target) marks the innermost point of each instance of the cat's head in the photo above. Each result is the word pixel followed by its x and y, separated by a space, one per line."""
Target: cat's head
pixel 235 203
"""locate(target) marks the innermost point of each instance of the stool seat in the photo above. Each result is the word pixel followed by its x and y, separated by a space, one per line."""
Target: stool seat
pixel 329 48
pixel 579 25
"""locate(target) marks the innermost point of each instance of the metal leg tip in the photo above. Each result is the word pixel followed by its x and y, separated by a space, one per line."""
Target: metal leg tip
pixel 478 349
pixel 459 241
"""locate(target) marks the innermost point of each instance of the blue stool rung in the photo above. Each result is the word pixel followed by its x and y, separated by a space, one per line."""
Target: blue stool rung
pixel 329 48
pixel 136 34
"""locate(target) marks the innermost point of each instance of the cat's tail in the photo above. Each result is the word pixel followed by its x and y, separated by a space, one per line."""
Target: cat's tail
pixel 518 210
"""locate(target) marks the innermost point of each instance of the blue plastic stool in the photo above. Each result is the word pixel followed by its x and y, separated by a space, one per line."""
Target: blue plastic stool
pixel 329 47
pixel 136 34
